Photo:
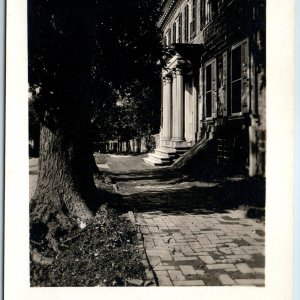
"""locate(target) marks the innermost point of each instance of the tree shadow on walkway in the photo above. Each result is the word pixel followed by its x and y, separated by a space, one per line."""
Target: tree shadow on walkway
pixel 216 197
pixel 160 175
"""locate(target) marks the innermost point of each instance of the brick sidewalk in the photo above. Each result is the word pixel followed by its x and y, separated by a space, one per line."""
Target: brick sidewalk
pixel 195 250
pixel 187 241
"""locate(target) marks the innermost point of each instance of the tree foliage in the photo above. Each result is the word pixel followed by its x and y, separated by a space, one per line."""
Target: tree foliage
pixel 132 113
pixel 79 51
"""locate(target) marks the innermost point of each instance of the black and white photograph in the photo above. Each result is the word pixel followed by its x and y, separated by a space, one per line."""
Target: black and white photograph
pixel 148 147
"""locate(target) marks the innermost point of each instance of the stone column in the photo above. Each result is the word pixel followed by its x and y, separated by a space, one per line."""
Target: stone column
pixel 174 104
pixel 178 112
pixel 167 108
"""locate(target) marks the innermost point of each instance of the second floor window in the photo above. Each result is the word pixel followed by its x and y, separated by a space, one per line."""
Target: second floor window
pixel 193 19
pixel 174 33
pixel 186 24
pixel 208 10
pixel 179 28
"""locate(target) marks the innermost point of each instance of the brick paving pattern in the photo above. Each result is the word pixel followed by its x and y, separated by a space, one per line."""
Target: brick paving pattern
pixel 195 249
pixel 190 245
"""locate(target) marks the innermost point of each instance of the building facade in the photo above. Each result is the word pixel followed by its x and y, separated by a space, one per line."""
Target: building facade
pixel 214 81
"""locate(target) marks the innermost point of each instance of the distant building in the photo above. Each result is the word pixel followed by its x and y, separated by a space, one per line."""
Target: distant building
pixel 214 83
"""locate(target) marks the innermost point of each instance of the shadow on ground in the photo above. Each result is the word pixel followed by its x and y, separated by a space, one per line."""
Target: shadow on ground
pixel 159 175
pixel 172 192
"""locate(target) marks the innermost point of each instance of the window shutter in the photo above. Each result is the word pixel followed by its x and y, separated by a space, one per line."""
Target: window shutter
pixel 245 93
pixel 202 13
pixel 186 23
pixel 179 39
pixel 204 90
pixel 224 79
pixel 201 90
pixel 214 88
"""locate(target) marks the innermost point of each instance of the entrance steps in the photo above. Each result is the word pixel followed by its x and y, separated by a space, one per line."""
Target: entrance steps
pixel 164 156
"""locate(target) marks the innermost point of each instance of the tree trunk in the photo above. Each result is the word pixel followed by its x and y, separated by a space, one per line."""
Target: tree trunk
pixel 65 186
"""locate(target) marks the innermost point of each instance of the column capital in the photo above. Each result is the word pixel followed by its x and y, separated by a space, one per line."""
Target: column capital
pixel 174 74
pixel 167 79
pixel 178 71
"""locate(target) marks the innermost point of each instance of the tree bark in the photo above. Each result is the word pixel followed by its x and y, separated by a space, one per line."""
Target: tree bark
pixel 65 187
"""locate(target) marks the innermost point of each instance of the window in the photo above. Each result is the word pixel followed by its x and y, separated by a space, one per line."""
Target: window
pixel 174 33
pixel 208 91
pixel 208 8
pixel 193 21
pixel 239 78
pixel 186 24
pixel 179 40
pixel 208 15
pixel 236 80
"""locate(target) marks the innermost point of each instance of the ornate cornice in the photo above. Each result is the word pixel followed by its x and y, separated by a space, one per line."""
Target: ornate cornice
pixel 169 11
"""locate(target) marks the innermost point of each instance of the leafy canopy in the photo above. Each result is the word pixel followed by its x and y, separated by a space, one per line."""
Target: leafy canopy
pixel 82 51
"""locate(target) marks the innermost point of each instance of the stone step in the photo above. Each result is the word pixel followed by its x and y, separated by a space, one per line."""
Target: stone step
pixel 164 156
pixel 163 153
pixel 158 158
pixel 154 163
pixel 166 150
pixel 181 151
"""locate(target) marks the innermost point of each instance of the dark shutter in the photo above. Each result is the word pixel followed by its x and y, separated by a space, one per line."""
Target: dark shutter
pixel 204 91
pixel 201 90
pixel 225 88
pixel 202 13
pixel 174 32
pixel 245 92
pixel 186 23
pixel 193 21
pixel 180 28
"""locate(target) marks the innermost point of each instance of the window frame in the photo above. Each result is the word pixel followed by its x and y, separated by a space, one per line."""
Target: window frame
pixel 186 23
pixel 179 28
pixel 206 91
pixel 208 10
pixel 193 22
pixel 213 90
pixel 244 77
